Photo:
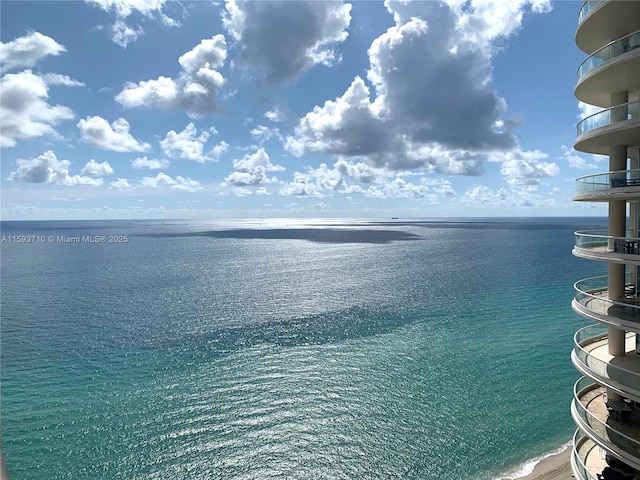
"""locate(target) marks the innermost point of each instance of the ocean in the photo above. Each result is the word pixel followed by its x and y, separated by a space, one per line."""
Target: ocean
pixel 298 349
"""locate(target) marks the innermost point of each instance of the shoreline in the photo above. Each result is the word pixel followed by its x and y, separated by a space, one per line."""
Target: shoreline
pixel 553 466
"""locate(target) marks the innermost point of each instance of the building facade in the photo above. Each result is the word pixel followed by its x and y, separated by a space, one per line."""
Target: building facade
pixel 606 403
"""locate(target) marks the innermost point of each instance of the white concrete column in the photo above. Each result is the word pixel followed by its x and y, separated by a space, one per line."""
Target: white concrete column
pixel 616 271
pixel 633 232
pixel 619 114
pixel 618 98
pixel 617 158
pixel 616 341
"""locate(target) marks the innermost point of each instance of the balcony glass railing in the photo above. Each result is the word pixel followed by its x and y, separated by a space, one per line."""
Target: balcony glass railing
pixel 608 52
pixel 619 113
pixel 603 181
pixel 602 427
pixel 597 241
pixel 578 463
pixel 606 370
pixel 587 6
pixel 591 294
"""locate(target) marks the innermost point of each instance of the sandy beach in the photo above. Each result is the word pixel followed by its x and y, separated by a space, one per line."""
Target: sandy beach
pixel 555 467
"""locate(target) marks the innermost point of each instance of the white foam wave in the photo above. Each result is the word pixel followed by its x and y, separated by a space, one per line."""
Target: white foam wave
pixel 526 468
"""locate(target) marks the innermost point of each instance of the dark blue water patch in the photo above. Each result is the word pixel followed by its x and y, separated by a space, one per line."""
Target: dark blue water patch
pixel 320 235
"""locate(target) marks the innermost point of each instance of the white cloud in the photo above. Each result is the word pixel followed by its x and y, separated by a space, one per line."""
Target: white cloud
pixel 275 115
pixel 121 184
pixel 574 160
pixel 28 50
pixel 523 196
pixel 25 112
pixel 187 145
pixel 414 119
pixel 124 8
pixel 195 88
pixel 96 131
pixel 144 162
pixel 164 180
pixel 484 21
pixel 483 195
pixel 399 188
pixel 528 169
pixel 48 169
pixel 219 150
pixel 57 79
pixel 587 110
pixel 121 33
pixel 262 133
pixel 301 186
pixel 95 169
pixel 251 170
pixel 360 171
pixel 282 39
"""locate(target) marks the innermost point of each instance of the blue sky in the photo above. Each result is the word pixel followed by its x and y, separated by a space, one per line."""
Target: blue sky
pixel 197 109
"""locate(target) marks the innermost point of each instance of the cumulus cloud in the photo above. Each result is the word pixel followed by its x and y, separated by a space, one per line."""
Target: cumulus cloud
pixel 121 184
pixel 275 115
pixel 24 111
pixel 57 79
pixel 526 170
pixel 151 164
pixel 359 171
pixel 587 110
pixel 358 177
pixel 220 149
pixel 28 50
pixel 122 33
pixel 415 118
pixel 483 195
pixel 96 131
pixel 282 39
pixel 95 169
pixel 195 88
pixel 400 188
pixel 251 170
pixel 262 133
pixel 48 169
pixel 301 186
pixel 574 160
pixel 163 180
pixel 186 145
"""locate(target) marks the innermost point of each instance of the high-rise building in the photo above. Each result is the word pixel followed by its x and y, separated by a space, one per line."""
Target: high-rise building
pixel 606 403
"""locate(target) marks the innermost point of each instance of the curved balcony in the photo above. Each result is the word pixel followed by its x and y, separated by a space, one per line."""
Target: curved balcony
pixel 601 21
pixel 586 8
pixel 591 301
pixel 612 68
pixel 591 357
pixel 586 459
pixel 615 426
pixel 609 52
pixel 615 126
pixel 621 185
pixel 597 245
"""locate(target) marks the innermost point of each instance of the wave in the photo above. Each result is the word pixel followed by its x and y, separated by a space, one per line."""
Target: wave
pixel 527 468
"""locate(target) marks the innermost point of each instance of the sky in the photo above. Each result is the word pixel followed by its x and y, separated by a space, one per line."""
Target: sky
pixel 118 109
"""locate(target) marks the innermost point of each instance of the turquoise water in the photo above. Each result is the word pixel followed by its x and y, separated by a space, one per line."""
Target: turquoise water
pixel 289 349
